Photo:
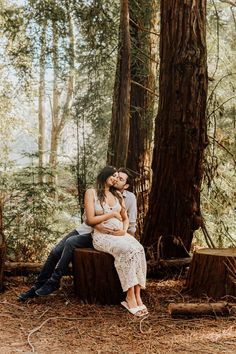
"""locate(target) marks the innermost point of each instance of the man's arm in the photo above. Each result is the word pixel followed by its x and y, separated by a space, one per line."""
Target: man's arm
pixel 131 207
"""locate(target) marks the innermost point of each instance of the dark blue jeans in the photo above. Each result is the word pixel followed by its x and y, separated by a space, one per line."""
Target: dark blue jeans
pixel 61 255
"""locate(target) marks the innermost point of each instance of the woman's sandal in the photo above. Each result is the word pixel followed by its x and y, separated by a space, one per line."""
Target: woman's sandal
pixel 136 311
pixel 144 309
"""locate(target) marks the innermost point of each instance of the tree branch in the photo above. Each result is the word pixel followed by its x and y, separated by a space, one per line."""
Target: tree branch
pixel 222 104
pixel 145 88
pixel 223 147
pixel 144 29
pixel 232 3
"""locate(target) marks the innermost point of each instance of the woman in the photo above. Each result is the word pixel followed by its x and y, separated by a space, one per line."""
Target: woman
pixel 105 204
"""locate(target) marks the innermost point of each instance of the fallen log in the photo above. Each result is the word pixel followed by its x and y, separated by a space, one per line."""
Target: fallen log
pixel 25 268
pixel 199 309
pixel 175 262
pixel 21 268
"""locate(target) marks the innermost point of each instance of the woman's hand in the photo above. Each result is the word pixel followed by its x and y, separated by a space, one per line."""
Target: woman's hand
pixel 118 232
pixel 103 228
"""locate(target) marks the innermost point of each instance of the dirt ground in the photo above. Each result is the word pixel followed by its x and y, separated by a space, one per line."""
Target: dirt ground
pixel 60 323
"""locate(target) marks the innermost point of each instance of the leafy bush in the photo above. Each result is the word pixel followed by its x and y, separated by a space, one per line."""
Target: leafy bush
pixel 35 215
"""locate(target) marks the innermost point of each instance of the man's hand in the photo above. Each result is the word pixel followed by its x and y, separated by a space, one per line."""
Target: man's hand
pixel 103 228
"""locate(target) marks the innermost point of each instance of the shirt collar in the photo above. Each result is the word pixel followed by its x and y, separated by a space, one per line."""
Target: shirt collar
pixel 124 194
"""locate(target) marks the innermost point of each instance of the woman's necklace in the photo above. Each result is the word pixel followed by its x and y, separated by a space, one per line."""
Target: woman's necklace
pixel 110 196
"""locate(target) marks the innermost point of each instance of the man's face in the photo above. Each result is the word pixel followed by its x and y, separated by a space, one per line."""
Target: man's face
pixel 121 182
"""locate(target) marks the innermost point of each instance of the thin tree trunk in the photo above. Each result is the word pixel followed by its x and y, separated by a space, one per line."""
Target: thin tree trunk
pixel 144 38
pixel 55 107
pixel 119 130
pixel 41 103
pixel 180 133
pixel 60 117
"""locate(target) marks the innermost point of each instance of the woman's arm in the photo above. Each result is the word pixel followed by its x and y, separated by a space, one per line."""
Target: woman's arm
pixel 91 218
pixel 124 216
pixel 125 220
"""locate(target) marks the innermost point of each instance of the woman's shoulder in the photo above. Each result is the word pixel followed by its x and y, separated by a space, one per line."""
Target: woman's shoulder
pixel 91 191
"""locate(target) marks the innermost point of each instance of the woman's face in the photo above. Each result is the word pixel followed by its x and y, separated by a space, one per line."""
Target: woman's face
pixel 112 179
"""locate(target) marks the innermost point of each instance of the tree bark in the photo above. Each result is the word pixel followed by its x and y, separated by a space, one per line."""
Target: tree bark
pixel 199 309
pixel 41 103
pixel 180 132
pixel 2 246
pixel 212 272
pixel 144 39
pixel 119 129
pixel 95 277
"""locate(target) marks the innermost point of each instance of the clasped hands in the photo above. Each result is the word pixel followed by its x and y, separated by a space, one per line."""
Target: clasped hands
pixel 105 229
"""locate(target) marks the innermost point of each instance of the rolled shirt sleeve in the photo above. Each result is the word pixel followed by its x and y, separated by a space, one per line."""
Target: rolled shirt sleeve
pixel 131 207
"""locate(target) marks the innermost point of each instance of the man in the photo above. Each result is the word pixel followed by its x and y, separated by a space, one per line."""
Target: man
pixel 59 258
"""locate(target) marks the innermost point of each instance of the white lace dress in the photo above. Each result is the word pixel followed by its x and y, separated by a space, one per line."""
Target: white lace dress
pixel 130 261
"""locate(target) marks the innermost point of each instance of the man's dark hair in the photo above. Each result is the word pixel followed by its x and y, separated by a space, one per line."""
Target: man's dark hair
pixel 129 178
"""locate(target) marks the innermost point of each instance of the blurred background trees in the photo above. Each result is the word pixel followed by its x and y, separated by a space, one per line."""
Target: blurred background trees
pixel 58 69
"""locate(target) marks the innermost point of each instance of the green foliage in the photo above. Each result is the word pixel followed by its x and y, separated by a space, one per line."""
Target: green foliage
pixel 35 215
pixel 32 214
pixel 218 196
pixel 19 44
pixel 97 54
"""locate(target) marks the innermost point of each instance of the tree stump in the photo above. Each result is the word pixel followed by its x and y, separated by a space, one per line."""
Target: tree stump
pixel 2 245
pixel 212 272
pixel 2 260
pixel 95 277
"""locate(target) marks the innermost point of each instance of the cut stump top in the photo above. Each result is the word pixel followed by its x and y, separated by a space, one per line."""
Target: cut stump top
pixel 212 272
pixel 221 252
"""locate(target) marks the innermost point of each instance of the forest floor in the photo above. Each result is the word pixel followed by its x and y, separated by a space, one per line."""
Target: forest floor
pixel 60 323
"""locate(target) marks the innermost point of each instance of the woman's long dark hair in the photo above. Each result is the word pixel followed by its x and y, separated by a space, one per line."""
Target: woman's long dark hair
pixel 104 174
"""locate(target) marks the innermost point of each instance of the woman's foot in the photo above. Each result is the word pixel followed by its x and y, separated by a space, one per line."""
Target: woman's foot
pixel 144 309
pixel 131 301
pixel 136 311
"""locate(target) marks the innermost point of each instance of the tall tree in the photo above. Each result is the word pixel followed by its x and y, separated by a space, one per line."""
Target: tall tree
pixel 144 40
pixel 60 115
pixel 119 130
pixel 131 133
pixel 41 101
pixel 180 132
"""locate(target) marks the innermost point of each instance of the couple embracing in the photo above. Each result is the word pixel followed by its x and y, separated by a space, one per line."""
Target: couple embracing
pixel 107 228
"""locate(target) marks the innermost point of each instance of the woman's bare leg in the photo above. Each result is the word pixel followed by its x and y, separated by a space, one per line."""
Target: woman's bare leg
pixel 137 290
pixel 130 298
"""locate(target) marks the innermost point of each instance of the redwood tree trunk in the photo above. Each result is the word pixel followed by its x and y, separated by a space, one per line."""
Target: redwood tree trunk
pixel 144 38
pixel 180 133
pixel 119 130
